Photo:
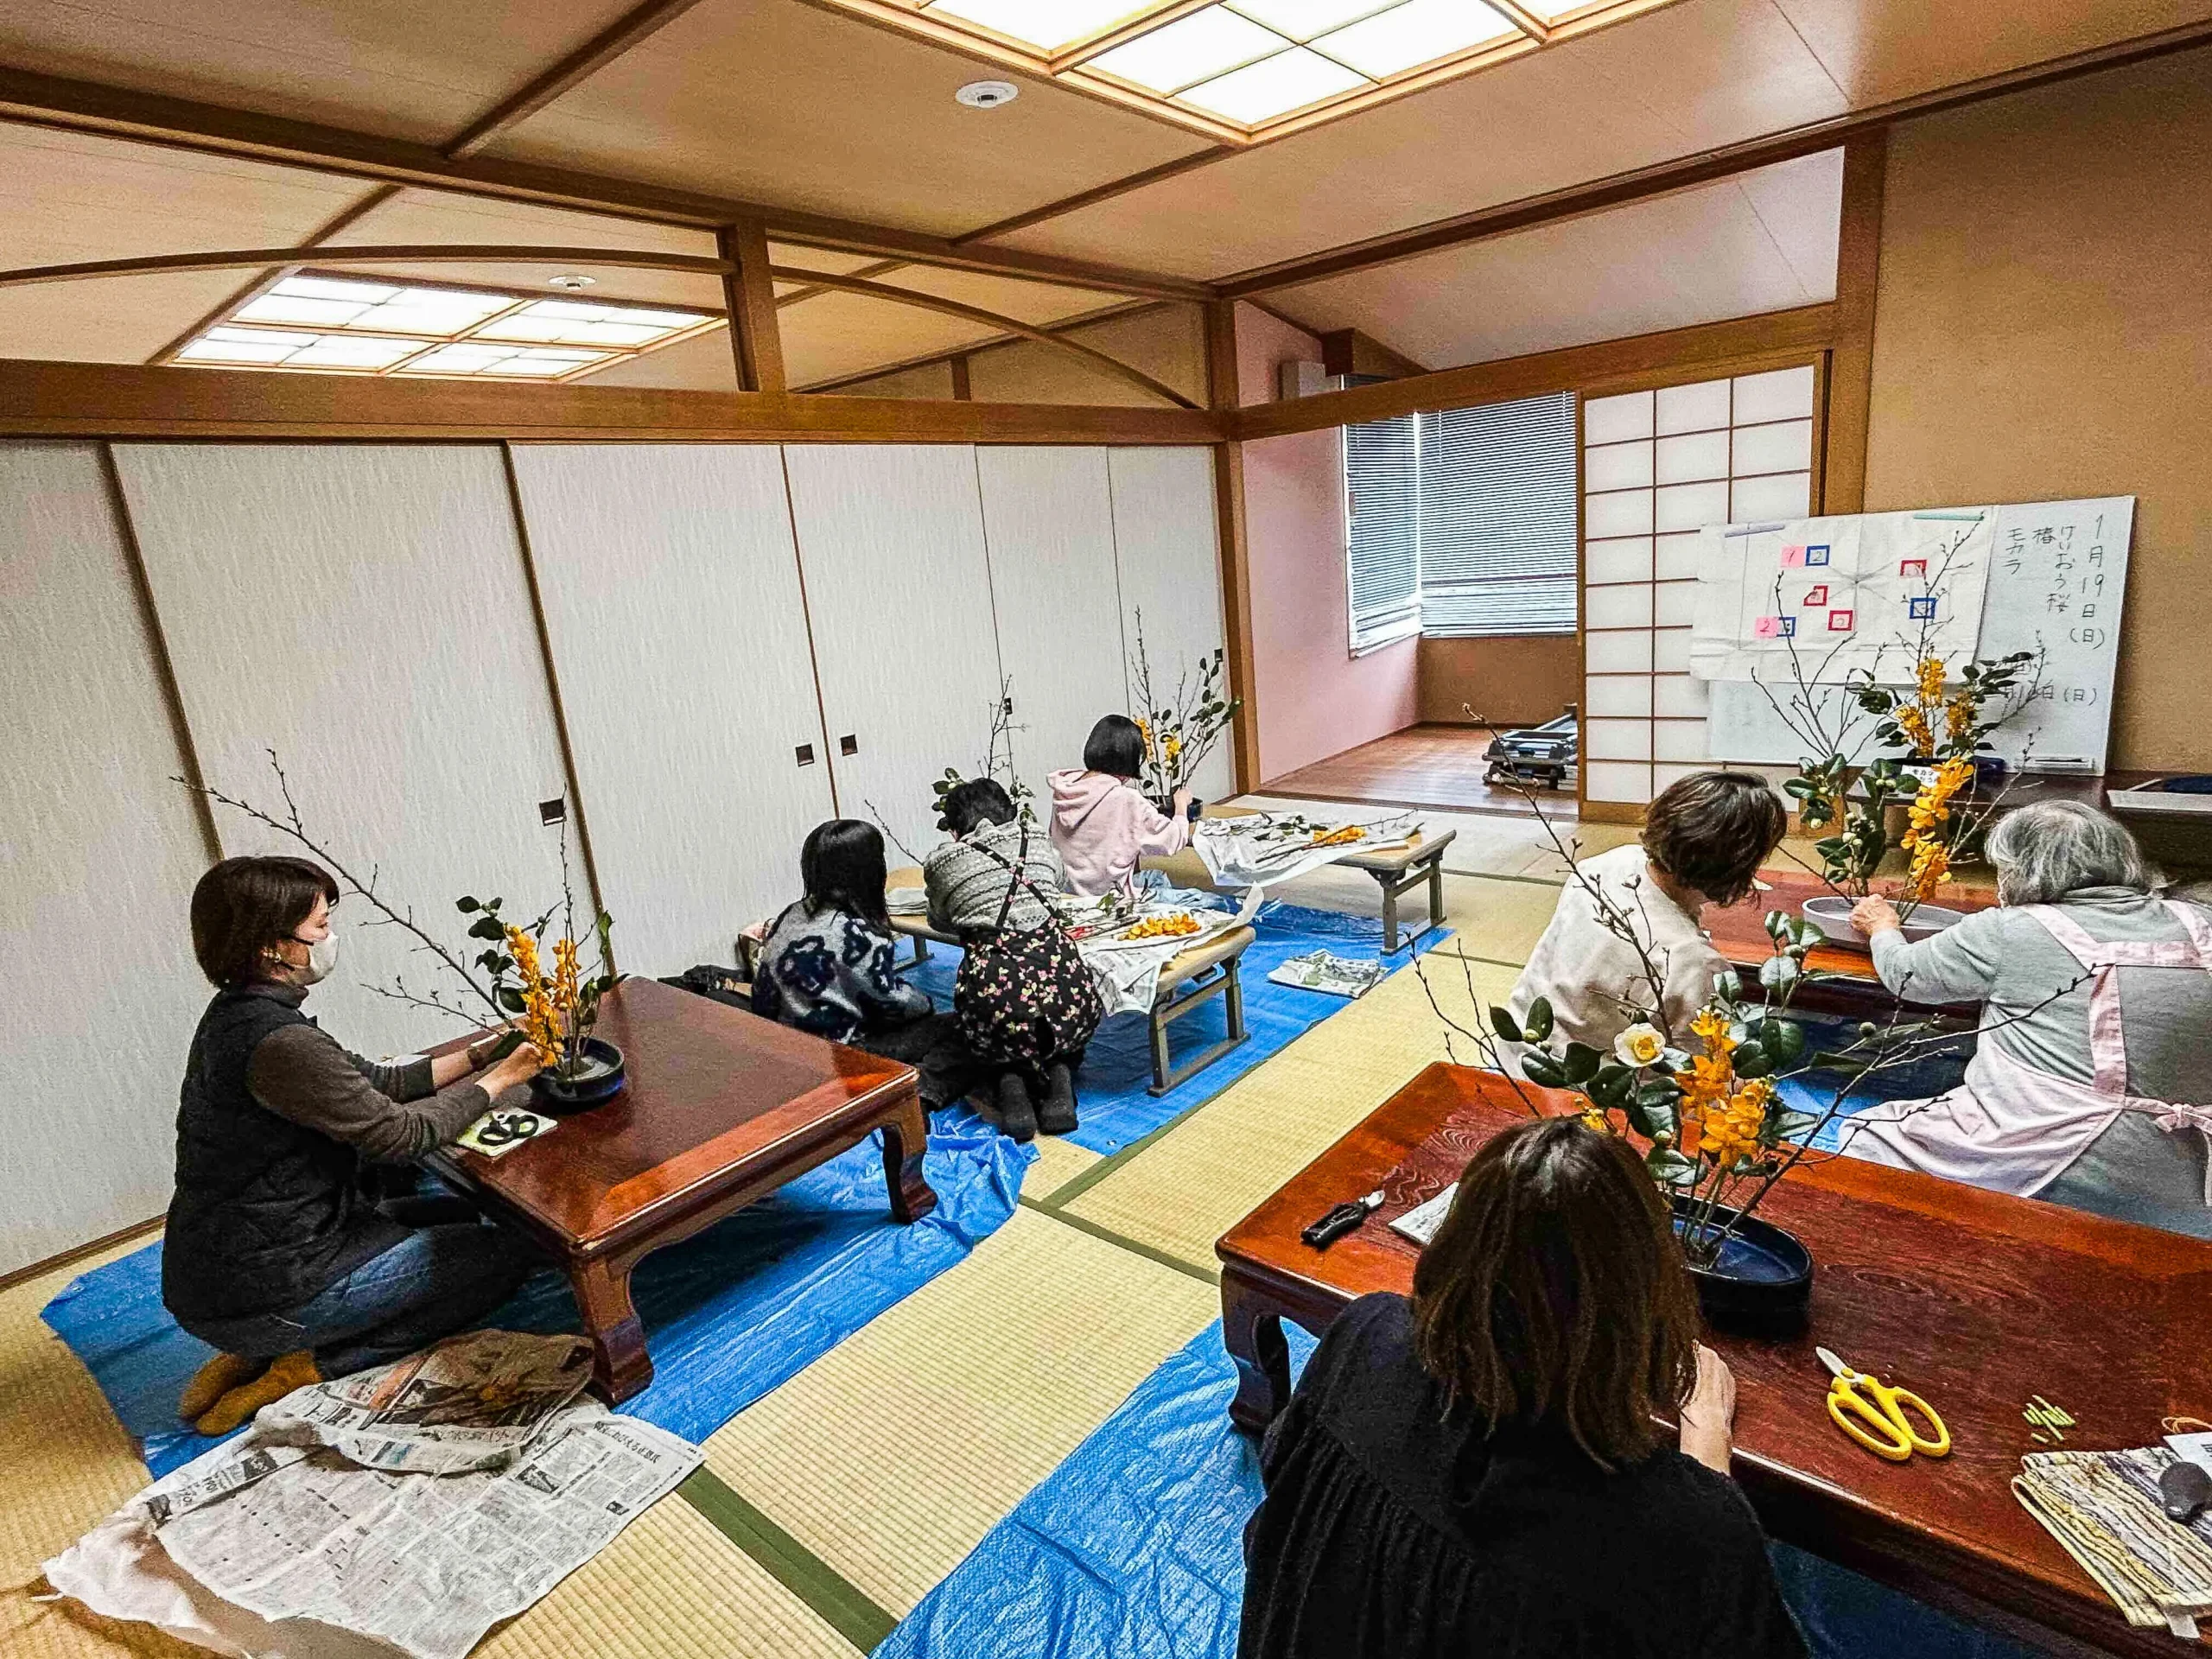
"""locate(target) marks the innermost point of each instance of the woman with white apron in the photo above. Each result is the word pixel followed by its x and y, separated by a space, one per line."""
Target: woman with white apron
pixel 2091 1085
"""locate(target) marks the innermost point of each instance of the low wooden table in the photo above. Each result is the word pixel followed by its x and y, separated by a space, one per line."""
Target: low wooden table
pixel 1975 1299
pixel 1739 934
pixel 721 1108
pixel 1399 871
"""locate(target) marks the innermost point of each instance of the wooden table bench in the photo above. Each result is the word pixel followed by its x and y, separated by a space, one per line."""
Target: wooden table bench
pixel 1396 870
pixel 1739 934
pixel 1205 971
pixel 1975 1299
pixel 721 1110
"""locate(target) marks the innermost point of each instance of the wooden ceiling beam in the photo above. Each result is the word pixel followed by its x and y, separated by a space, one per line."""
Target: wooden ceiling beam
pixel 384 254
pixel 632 29
pixel 1741 346
pixel 178 123
pixel 1689 171
pixel 115 400
pixel 976 348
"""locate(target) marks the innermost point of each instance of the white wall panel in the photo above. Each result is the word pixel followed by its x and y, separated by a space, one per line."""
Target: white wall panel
pixel 891 540
pixel 1617 780
pixel 671 595
pixel 1616 466
pixel 1690 506
pixel 1691 457
pixel 1699 407
pixel 363 610
pixel 1048 523
pixel 1625 513
pixel 1780 395
pixel 1783 447
pixel 99 851
pixel 1621 695
pixel 1612 420
pixel 1626 652
pixel 1625 607
pixel 1785 495
pixel 1627 560
pixel 1165 543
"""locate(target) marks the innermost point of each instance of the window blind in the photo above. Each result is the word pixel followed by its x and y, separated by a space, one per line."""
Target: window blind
pixel 1381 513
pixel 1497 519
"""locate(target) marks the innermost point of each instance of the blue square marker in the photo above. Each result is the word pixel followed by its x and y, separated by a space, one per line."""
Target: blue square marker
pixel 1788 627
pixel 1921 610
pixel 1817 553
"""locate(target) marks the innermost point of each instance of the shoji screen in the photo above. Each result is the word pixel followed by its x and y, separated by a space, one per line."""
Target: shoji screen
pixel 1657 467
pixel 1048 518
pixel 891 540
pixel 1165 532
pixel 98 856
pixel 672 605
pixel 363 610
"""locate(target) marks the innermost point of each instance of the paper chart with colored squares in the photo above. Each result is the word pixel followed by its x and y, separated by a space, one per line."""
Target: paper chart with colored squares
pixel 1864 592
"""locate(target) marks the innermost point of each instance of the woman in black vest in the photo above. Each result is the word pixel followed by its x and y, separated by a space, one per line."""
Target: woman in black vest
pixel 274 1254
pixel 1480 1470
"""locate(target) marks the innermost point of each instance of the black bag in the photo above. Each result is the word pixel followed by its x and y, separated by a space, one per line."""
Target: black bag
pixel 1024 998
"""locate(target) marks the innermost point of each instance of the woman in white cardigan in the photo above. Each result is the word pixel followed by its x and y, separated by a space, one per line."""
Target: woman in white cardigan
pixel 2089 1085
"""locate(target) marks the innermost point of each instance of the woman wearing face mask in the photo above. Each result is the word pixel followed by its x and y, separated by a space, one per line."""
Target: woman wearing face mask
pixel 274 1254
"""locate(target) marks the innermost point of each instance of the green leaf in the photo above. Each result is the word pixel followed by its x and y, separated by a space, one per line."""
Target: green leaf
pixel 1660 1091
pixel 1784 1039
pixel 1539 1025
pixel 1543 1071
pixel 1612 1087
pixel 466 906
pixel 1752 1061
pixel 1670 1168
pixel 511 999
pixel 1502 1022
pixel 1579 1062
pixel 486 927
pixel 1788 1125
pixel 1654 1118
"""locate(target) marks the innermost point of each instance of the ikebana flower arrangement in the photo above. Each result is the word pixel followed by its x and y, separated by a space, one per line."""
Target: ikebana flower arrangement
pixel 998 762
pixel 506 980
pixel 1182 729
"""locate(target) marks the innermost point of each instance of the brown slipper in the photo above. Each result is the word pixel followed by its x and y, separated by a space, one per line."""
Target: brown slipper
pixel 287 1372
pixel 214 1380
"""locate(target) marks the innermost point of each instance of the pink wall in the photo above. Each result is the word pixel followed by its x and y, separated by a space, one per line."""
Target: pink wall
pixel 1314 698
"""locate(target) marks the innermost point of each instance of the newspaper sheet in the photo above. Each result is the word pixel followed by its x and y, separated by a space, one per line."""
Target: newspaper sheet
pixel 1274 846
pixel 2104 1507
pixel 410 1508
pixel 1128 971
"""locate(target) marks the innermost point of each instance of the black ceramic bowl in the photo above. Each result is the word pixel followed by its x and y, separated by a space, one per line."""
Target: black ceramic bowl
pixel 1763 1283
pixel 559 1097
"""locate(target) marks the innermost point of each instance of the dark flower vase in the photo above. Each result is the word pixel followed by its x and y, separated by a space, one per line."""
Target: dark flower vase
pixel 601 1080
pixel 1762 1284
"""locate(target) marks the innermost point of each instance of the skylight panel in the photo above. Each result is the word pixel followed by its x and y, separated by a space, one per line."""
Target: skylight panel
pixel 353 351
pixel 469 357
pixel 296 349
pixel 555 322
pixel 1303 19
pixel 1050 24
pixel 296 308
pixel 1193 48
pixel 244 346
pixel 1418 32
pixel 332 288
pixel 1289 81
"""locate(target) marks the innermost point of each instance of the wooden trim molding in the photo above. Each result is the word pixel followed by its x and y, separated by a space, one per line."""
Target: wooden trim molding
pixel 749 296
pixel 181 123
pixel 1851 364
pixel 120 400
pixel 633 27
pixel 451 253
pixel 1741 345
pixel 1224 394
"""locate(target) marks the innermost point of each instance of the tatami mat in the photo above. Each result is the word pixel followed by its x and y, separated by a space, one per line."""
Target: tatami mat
pixel 1058 1163
pixel 1496 921
pixel 891 1456
pixel 1179 1194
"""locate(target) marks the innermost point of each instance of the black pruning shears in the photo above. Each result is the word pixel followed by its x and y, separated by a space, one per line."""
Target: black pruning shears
pixel 1344 1219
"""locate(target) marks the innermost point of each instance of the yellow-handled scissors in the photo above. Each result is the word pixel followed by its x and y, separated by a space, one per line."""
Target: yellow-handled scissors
pixel 1873 1414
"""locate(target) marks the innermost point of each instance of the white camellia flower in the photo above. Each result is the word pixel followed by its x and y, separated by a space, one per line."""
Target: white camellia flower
pixel 1641 1044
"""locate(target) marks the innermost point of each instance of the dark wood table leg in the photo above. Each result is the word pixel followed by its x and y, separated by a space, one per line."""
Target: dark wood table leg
pixel 906 1138
pixel 619 1365
pixel 1251 1329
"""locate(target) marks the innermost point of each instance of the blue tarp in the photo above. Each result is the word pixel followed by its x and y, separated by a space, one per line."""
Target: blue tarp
pixel 729 1314
pixel 1113 1088
pixel 1931 1073
pixel 1132 1549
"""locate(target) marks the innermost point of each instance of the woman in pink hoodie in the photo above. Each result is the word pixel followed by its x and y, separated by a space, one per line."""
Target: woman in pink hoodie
pixel 1102 823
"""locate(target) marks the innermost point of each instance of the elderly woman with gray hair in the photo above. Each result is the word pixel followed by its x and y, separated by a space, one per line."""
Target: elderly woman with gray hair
pixel 2089 1085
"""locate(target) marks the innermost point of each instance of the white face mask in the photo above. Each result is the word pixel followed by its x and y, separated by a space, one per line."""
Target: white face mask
pixel 322 957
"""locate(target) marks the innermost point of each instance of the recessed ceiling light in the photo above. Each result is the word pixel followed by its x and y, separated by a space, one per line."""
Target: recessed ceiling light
pixel 570 280
pixel 987 94
pixel 1419 31
pixel 1193 48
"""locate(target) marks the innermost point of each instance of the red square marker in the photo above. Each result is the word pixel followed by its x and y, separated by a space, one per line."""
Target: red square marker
pixel 1839 621
pixel 1913 567
pixel 1817 595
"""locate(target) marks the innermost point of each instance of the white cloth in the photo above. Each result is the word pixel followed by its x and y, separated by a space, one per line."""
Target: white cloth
pixel 2015 1127
pixel 1127 972
pixel 1248 850
pixel 1596 983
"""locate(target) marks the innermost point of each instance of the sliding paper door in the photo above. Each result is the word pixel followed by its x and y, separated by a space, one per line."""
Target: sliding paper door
pixel 1170 559
pixel 672 605
pixel 891 540
pixel 1048 515
pixel 362 609
pixel 97 858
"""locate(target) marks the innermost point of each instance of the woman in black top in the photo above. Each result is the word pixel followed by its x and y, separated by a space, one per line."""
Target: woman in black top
pixel 277 1254
pixel 1479 1471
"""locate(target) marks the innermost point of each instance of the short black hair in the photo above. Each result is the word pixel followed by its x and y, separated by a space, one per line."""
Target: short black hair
pixel 1115 747
pixel 841 866
pixel 243 905
pixel 1712 830
pixel 979 800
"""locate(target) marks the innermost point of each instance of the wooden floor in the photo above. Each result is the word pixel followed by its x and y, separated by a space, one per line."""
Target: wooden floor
pixel 1422 766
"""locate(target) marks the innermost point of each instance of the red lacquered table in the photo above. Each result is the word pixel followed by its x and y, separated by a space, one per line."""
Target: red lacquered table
pixel 722 1108
pixel 1975 1299
pixel 1739 934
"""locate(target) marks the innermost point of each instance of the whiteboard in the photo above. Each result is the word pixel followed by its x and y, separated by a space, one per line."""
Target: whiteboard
pixel 2058 572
